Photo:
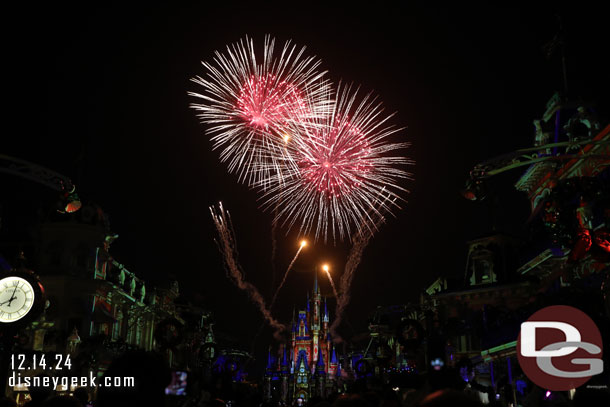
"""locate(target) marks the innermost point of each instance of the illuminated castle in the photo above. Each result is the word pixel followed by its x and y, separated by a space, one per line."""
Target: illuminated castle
pixel 307 365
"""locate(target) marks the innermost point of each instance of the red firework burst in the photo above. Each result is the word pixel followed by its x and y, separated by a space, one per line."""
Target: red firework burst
pixel 265 104
pixel 336 160
pixel 347 177
pixel 249 103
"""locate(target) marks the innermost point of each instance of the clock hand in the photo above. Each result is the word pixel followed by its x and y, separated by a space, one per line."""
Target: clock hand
pixel 9 300
pixel 12 296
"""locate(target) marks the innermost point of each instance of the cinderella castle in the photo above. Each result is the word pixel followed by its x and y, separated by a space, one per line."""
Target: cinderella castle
pixel 307 365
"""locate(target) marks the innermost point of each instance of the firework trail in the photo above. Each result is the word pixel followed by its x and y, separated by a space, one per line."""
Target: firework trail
pixel 227 246
pixel 347 171
pixel 332 283
pixel 359 243
pixel 249 104
pixel 277 291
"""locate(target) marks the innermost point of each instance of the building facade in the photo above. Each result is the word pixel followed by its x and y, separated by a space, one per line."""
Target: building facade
pixel 96 309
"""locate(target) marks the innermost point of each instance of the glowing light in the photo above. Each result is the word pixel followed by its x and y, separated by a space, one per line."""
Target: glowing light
pixel 72 201
pixel 347 172
pixel 294 259
pixel 326 269
pixel 248 103
pixel 73 206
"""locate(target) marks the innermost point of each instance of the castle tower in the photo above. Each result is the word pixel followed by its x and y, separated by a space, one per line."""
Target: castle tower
pixel 320 378
pixel 303 339
pixel 333 364
pixel 268 376
pixel 315 322
pixel 284 375
pixel 326 319
pixel 301 378
pixel 326 335
pixel 293 342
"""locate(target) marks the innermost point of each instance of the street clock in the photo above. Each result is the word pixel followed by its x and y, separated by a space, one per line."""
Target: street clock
pixel 16 298
pixel 21 297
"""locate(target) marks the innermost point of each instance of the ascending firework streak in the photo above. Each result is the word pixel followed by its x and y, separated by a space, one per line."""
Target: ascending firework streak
pixel 226 245
pixel 249 103
pixel 347 175
pixel 277 291
pixel 332 283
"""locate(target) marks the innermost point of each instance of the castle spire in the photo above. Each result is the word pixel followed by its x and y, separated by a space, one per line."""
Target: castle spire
pixel 315 284
pixel 269 361
pixel 333 358
pixel 284 363
pixel 320 364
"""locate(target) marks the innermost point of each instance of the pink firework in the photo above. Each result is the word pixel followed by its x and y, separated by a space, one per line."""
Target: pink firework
pixel 267 105
pixel 336 158
pixel 249 104
pixel 348 174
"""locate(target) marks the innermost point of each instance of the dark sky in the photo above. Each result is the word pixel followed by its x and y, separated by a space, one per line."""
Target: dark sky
pixel 99 94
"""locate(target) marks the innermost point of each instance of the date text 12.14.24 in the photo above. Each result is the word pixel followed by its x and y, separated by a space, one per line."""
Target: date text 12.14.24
pixel 33 362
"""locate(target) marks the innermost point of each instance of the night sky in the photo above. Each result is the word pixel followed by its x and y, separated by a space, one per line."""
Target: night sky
pixel 100 95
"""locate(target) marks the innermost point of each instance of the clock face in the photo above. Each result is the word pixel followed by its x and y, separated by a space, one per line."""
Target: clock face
pixel 16 298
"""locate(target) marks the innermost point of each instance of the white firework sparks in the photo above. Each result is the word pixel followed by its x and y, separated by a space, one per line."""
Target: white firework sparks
pixel 347 173
pixel 249 103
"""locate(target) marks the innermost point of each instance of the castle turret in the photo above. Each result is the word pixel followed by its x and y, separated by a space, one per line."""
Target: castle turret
pixel 268 376
pixel 326 319
pixel 315 322
pixel 320 377
pixel 333 365
pixel 284 375
pixel 301 378
pixel 293 341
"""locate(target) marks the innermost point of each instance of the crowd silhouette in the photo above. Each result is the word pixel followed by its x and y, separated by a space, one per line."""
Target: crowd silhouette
pixel 445 387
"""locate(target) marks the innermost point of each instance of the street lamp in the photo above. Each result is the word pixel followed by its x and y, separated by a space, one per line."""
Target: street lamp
pixel 72 201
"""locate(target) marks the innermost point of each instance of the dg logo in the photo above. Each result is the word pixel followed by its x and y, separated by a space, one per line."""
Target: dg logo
pixel 560 348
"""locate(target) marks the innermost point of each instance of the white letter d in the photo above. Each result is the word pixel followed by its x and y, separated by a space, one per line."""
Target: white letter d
pixel 528 338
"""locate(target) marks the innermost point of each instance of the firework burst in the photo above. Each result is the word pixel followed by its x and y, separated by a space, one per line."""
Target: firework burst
pixel 249 103
pixel 347 173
